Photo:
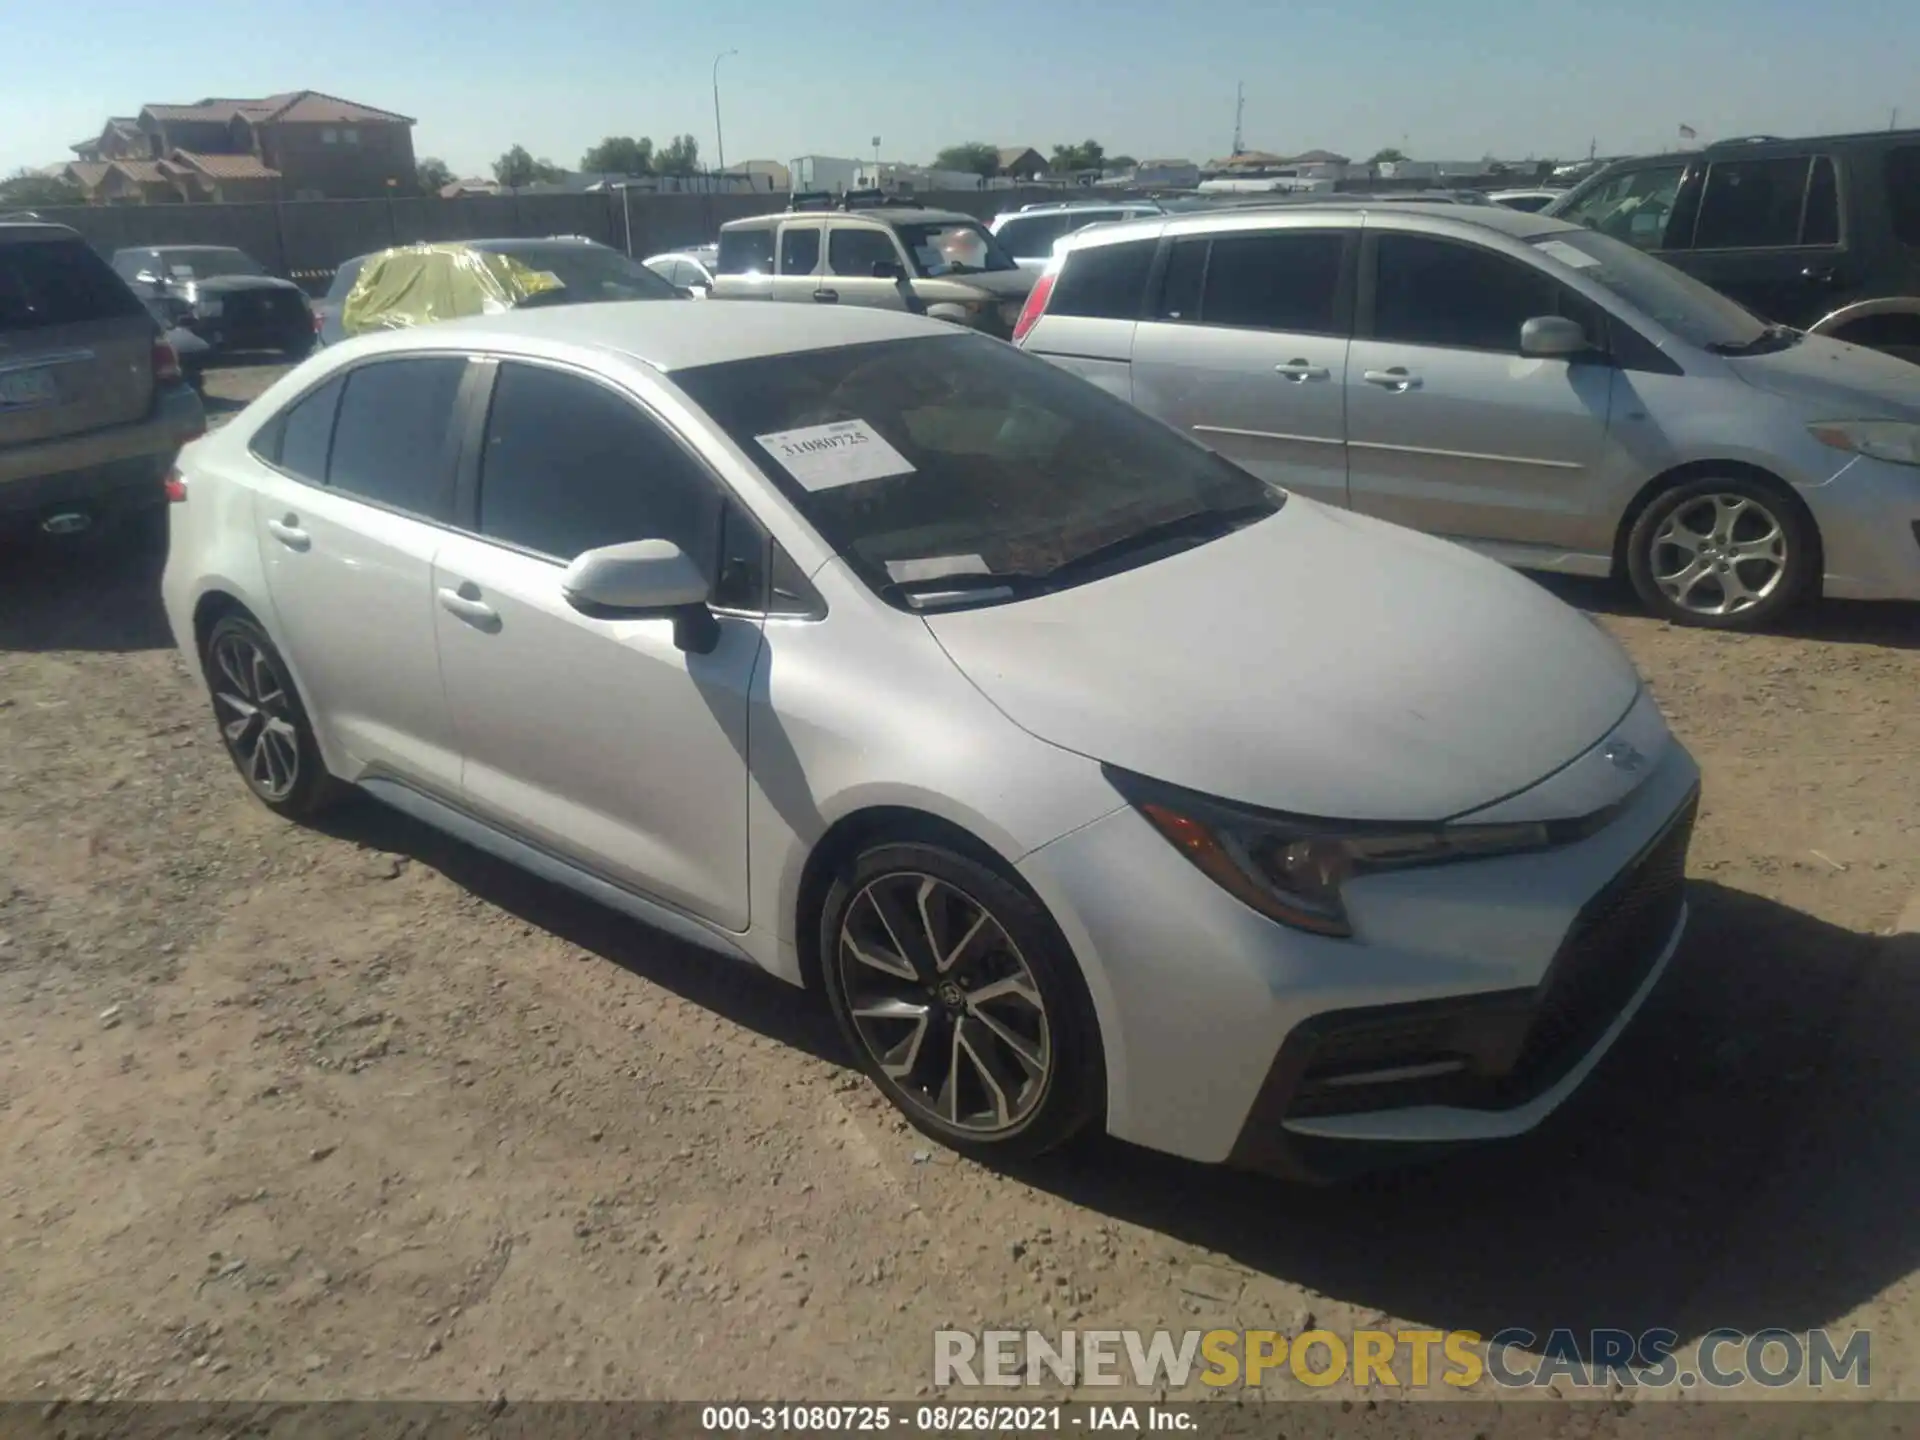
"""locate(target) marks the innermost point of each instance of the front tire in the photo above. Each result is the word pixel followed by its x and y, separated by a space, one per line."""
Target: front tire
pixel 956 992
pixel 1723 553
pixel 262 722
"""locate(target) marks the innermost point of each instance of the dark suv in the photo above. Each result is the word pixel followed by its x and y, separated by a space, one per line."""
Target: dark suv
pixel 1821 234
pixel 93 408
pixel 222 295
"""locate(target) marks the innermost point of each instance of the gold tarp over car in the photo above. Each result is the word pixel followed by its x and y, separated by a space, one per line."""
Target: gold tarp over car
pixel 419 284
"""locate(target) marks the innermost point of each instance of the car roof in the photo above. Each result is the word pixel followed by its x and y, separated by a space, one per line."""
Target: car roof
pixel 36 230
pixel 1519 224
pixel 188 249
pixel 879 214
pixel 667 335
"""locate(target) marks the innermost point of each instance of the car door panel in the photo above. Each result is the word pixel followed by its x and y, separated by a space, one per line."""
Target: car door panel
pixel 800 255
pixel 1463 438
pixel 350 579
pixel 1270 399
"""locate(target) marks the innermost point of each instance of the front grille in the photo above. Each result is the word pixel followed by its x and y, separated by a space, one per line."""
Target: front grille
pixel 1493 1052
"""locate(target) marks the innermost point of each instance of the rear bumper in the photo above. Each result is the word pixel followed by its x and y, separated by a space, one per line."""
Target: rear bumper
pixel 102 471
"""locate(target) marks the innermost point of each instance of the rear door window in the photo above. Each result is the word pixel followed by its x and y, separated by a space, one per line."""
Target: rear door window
pixel 44 283
pixel 392 437
pixel 1281 280
pixel 1104 282
pixel 799 249
pixel 1760 204
pixel 745 252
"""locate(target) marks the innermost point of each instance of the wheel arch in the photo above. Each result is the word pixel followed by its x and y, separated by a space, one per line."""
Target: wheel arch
pixel 1706 469
pixel 1894 307
pixel 214 604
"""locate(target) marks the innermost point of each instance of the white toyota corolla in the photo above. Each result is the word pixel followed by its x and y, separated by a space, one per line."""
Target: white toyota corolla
pixel 1093 780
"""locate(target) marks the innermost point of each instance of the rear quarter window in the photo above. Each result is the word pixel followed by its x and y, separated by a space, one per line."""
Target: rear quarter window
pixel 44 283
pixel 1104 282
pixel 745 252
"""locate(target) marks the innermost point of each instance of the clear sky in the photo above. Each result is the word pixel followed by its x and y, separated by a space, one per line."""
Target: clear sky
pixel 1443 81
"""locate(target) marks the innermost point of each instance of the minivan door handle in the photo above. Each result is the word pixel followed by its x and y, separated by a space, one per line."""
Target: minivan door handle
pixel 467 604
pixel 289 533
pixel 1300 371
pixel 1396 379
pixel 826 297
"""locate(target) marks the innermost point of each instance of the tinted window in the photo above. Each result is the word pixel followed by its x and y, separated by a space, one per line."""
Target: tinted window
pixel 1104 282
pixel 1186 273
pixel 745 252
pixel 305 432
pixel 587 274
pixel 59 282
pixel 1282 281
pixel 206 262
pixel 799 250
pixel 856 252
pixel 1435 292
pixel 1903 192
pixel 390 440
pixel 1634 206
pixel 1751 202
pixel 1821 226
pixel 994 462
pixel 344 277
pixel 1031 237
pixel 570 465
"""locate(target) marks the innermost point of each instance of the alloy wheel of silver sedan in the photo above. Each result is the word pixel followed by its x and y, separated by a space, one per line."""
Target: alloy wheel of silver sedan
pixel 1719 554
pixel 253 703
pixel 945 1003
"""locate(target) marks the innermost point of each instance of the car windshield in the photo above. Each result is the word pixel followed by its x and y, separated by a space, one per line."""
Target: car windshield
pixel 1697 314
pixel 956 248
pixel 590 273
pixel 955 469
pixel 207 264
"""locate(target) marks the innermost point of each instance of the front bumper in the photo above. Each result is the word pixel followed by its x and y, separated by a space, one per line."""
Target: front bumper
pixel 1472 1000
pixel 1869 519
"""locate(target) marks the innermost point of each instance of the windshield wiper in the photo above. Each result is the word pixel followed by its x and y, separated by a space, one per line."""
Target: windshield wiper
pixel 1774 337
pixel 1196 526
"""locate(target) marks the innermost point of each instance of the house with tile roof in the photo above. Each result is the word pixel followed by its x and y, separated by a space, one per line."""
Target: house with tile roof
pixel 298 145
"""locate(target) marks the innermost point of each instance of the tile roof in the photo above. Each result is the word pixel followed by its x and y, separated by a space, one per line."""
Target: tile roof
pixel 142 172
pixel 298 107
pixel 86 173
pixel 225 167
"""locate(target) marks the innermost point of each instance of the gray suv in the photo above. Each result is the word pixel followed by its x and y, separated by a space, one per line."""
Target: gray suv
pixel 93 406
pixel 930 262
pixel 1546 394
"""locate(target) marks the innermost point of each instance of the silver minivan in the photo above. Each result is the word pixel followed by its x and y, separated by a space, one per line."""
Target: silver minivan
pixel 1545 394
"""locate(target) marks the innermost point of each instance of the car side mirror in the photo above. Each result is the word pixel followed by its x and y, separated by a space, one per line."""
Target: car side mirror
pixel 645 579
pixel 1553 337
pixel 889 270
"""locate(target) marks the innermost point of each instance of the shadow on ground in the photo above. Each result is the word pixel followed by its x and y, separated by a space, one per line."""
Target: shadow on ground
pixel 1841 622
pixel 86 592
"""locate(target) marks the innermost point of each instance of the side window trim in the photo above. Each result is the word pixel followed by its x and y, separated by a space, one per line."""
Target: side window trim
pixel 479 414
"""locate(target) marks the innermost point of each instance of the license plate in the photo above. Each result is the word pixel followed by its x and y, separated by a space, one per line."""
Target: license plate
pixel 23 389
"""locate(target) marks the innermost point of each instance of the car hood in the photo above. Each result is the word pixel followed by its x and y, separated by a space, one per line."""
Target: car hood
pixel 1845 382
pixel 1001 284
pixel 1317 662
pixel 233 284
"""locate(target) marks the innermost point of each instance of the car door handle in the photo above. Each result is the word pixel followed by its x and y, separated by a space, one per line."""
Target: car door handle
pixel 289 533
pixel 469 607
pixel 826 297
pixel 1300 370
pixel 1397 379
pixel 1820 274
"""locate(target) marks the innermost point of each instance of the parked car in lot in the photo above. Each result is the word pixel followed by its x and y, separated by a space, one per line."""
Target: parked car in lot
pixel 1543 393
pixel 928 262
pixel 326 310
pixel 93 407
pixel 1531 201
pixel 1027 234
pixel 1821 234
pixel 424 284
pixel 684 269
pixel 222 295
pixel 920 672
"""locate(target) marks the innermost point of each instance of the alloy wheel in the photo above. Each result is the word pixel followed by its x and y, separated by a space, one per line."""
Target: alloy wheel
pixel 254 708
pixel 945 1003
pixel 1719 554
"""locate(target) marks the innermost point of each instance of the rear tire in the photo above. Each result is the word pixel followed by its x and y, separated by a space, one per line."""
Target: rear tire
pixel 1723 553
pixel 262 722
pixel 961 1001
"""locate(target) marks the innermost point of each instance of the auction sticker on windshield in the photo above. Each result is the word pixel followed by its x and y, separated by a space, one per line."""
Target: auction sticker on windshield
pixel 846 452
pixel 1567 254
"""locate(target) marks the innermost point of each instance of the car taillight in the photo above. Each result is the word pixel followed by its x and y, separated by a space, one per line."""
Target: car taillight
pixel 166 364
pixel 176 486
pixel 1035 307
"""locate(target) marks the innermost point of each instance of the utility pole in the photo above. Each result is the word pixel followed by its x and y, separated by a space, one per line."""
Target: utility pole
pixel 1593 148
pixel 719 138
pixel 1239 113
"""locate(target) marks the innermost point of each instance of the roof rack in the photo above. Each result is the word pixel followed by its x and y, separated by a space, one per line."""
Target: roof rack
pixel 1750 140
pixel 810 200
pixel 874 200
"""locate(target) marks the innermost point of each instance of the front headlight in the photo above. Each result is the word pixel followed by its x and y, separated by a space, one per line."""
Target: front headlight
pixel 1291 868
pixel 1894 440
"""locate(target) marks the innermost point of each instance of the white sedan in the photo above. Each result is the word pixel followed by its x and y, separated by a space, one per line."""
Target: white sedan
pixel 1095 782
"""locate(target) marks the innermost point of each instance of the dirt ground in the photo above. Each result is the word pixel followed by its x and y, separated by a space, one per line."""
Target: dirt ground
pixel 357 1112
